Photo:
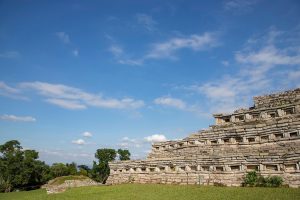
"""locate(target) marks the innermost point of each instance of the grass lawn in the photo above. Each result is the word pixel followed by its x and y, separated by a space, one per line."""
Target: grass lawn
pixel 157 192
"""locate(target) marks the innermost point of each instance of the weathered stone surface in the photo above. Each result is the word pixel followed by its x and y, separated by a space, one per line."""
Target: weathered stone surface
pixel 265 137
pixel 52 189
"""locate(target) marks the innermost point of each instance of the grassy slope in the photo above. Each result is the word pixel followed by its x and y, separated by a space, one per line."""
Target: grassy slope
pixel 62 179
pixel 157 192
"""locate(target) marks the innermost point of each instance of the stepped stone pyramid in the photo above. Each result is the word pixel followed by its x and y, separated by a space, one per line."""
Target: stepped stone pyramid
pixel 265 137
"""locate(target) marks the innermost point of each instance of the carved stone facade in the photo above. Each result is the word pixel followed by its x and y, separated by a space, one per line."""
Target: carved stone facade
pixel 265 137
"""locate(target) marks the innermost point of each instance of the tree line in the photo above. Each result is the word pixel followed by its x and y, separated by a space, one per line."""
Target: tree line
pixel 21 170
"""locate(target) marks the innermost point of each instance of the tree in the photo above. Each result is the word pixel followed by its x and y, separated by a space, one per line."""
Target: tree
pixel 105 155
pixel 124 154
pixel 85 167
pixel 11 165
pixel 72 168
pixel 100 171
pixel 59 169
pixel 84 170
pixel 20 169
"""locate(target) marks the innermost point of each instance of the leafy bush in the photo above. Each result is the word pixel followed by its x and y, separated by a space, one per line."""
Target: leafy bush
pixel 253 179
pixel 250 179
pixel 273 181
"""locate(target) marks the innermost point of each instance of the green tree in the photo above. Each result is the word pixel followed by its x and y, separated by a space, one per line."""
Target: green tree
pixel 20 169
pixel 100 171
pixel 105 155
pixel 72 168
pixel 11 165
pixel 59 169
pixel 85 167
pixel 124 154
pixel 84 170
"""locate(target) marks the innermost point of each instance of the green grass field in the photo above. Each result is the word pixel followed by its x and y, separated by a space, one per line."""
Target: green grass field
pixel 157 192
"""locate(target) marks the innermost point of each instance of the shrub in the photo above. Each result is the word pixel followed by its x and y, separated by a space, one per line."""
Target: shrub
pixel 253 179
pixel 273 181
pixel 250 179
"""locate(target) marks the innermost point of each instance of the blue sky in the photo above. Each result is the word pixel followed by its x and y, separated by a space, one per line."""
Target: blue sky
pixel 76 76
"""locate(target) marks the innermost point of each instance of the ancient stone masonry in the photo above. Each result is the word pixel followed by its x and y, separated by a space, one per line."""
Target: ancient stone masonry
pixel 265 137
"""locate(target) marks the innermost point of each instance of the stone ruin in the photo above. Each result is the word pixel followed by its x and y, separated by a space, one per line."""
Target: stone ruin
pixel 53 189
pixel 265 138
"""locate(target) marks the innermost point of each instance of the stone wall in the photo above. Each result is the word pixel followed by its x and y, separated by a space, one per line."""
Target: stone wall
pixel 268 143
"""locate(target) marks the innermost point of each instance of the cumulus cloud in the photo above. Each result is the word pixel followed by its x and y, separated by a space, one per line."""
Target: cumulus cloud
pixel 8 89
pixel 127 142
pixel 68 104
pixel 166 49
pixel 195 42
pixel 87 134
pixel 59 155
pixel 155 138
pixel 268 56
pixel 179 104
pixel 79 142
pixel 17 118
pixel 74 98
pixel 10 92
pixel 267 63
pixel 169 101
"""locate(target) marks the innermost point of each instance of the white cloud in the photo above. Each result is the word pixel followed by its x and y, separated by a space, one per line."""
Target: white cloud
pixel 127 142
pixel 74 98
pixel 79 142
pixel 63 37
pixel 266 65
pixel 268 56
pixel 17 118
pixel 121 57
pixel 11 92
pixel 166 49
pixel 68 104
pixel 146 21
pixel 179 104
pixel 156 138
pixel 194 42
pixel 116 50
pixel 237 5
pixel 169 101
pixel 59 155
pixel 127 139
pixel 87 134
pixel 132 62
pixel 7 89
pixel 9 54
